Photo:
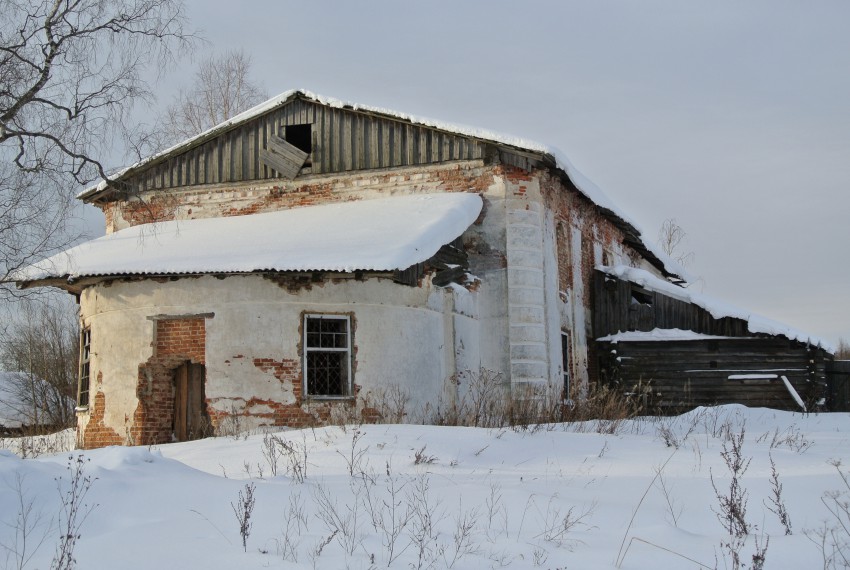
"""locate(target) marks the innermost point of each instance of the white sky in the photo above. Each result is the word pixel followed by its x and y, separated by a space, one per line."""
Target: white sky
pixel 733 118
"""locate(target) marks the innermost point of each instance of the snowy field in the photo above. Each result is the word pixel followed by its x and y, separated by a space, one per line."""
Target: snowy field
pixel 646 493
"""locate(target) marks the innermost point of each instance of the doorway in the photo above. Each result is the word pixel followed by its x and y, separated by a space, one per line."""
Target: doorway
pixel 190 417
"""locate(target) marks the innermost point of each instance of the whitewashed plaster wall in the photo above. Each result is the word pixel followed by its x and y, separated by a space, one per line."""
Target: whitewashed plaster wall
pixel 416 337
pixel 400 337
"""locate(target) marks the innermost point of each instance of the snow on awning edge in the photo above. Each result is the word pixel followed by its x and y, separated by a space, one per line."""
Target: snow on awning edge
pixel 447 216
pixel 756 323
pixel 659 335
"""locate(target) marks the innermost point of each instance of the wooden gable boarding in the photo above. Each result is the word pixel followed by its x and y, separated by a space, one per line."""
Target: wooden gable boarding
pixel 337 140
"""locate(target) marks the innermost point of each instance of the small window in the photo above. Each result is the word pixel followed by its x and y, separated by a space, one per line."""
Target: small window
pixel 640 297
pixel 299 136
pixel 327 355
pixel 565 362
pixel 85 368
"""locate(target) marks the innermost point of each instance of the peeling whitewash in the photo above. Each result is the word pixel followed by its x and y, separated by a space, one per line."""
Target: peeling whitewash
pixel 554 304
pixel 254 318
pixel 230 336
pixel 426 340
pixel 580 318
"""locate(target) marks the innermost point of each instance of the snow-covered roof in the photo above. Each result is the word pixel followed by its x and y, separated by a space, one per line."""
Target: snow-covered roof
pixel 379 235
pixel 581 182
pixel 718 309
pixel 658 335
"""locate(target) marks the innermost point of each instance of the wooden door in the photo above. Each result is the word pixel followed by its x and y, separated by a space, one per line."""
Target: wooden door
pixel 189 402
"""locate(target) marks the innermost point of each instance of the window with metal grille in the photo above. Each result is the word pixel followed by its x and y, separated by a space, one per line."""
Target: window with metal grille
pixel 327 355
pixel 85 358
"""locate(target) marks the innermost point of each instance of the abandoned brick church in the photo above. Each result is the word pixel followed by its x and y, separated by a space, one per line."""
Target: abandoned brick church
pixel 309 255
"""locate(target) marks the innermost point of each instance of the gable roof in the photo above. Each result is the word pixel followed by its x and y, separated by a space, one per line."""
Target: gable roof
pixel 384 234
pixel 523 150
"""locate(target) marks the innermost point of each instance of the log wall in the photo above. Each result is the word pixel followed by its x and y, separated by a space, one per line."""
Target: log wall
pixel 679 375
pixel 617 310
pixel 838 379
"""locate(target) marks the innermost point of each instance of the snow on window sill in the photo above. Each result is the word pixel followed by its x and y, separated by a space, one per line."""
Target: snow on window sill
pixel 322 398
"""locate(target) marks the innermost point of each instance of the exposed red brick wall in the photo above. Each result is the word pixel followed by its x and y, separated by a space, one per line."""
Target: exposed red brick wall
pixel 563 254
pixel 458 179
pixel 251 198
pixel 154 415
pixel 96 433
pixel 573 210
pixel 287 370
pixel 521 178
pixel 156 208
pixel 296 414
pixel 176 341
pixel 185 337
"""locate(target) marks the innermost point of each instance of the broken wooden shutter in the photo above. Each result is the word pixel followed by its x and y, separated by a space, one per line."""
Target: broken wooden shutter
pixel 283 157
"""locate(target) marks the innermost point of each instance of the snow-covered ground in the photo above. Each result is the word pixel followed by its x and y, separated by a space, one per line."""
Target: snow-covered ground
pixel 632 495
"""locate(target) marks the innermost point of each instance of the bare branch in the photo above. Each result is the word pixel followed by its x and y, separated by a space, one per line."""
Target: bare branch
pixel 222 88
pixel 670 237
pixel 70 72
pixel 42 346
pixel 69 69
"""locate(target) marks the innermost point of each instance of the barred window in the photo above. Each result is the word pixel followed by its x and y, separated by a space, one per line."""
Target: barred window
pixel 85 369
pixel 327 355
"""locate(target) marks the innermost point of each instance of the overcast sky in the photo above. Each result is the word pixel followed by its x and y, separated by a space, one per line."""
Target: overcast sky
pixel 731 117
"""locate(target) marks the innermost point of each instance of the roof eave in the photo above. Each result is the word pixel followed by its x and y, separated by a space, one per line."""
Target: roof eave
pixel 75 285
pixel 632 236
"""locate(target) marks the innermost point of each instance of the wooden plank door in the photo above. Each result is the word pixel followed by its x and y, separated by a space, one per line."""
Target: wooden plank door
pixel 189 402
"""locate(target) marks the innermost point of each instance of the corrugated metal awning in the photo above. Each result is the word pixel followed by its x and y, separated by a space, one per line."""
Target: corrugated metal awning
pixel 383 234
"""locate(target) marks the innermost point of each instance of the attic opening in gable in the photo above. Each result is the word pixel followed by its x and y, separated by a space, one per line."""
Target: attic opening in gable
pixel 299 136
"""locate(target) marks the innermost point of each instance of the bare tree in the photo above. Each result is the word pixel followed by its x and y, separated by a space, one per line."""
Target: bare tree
pixel 670 238
pixel 223 88
pixel 34 211
pixel 70 71
pixel 842 351
pixel 42 345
